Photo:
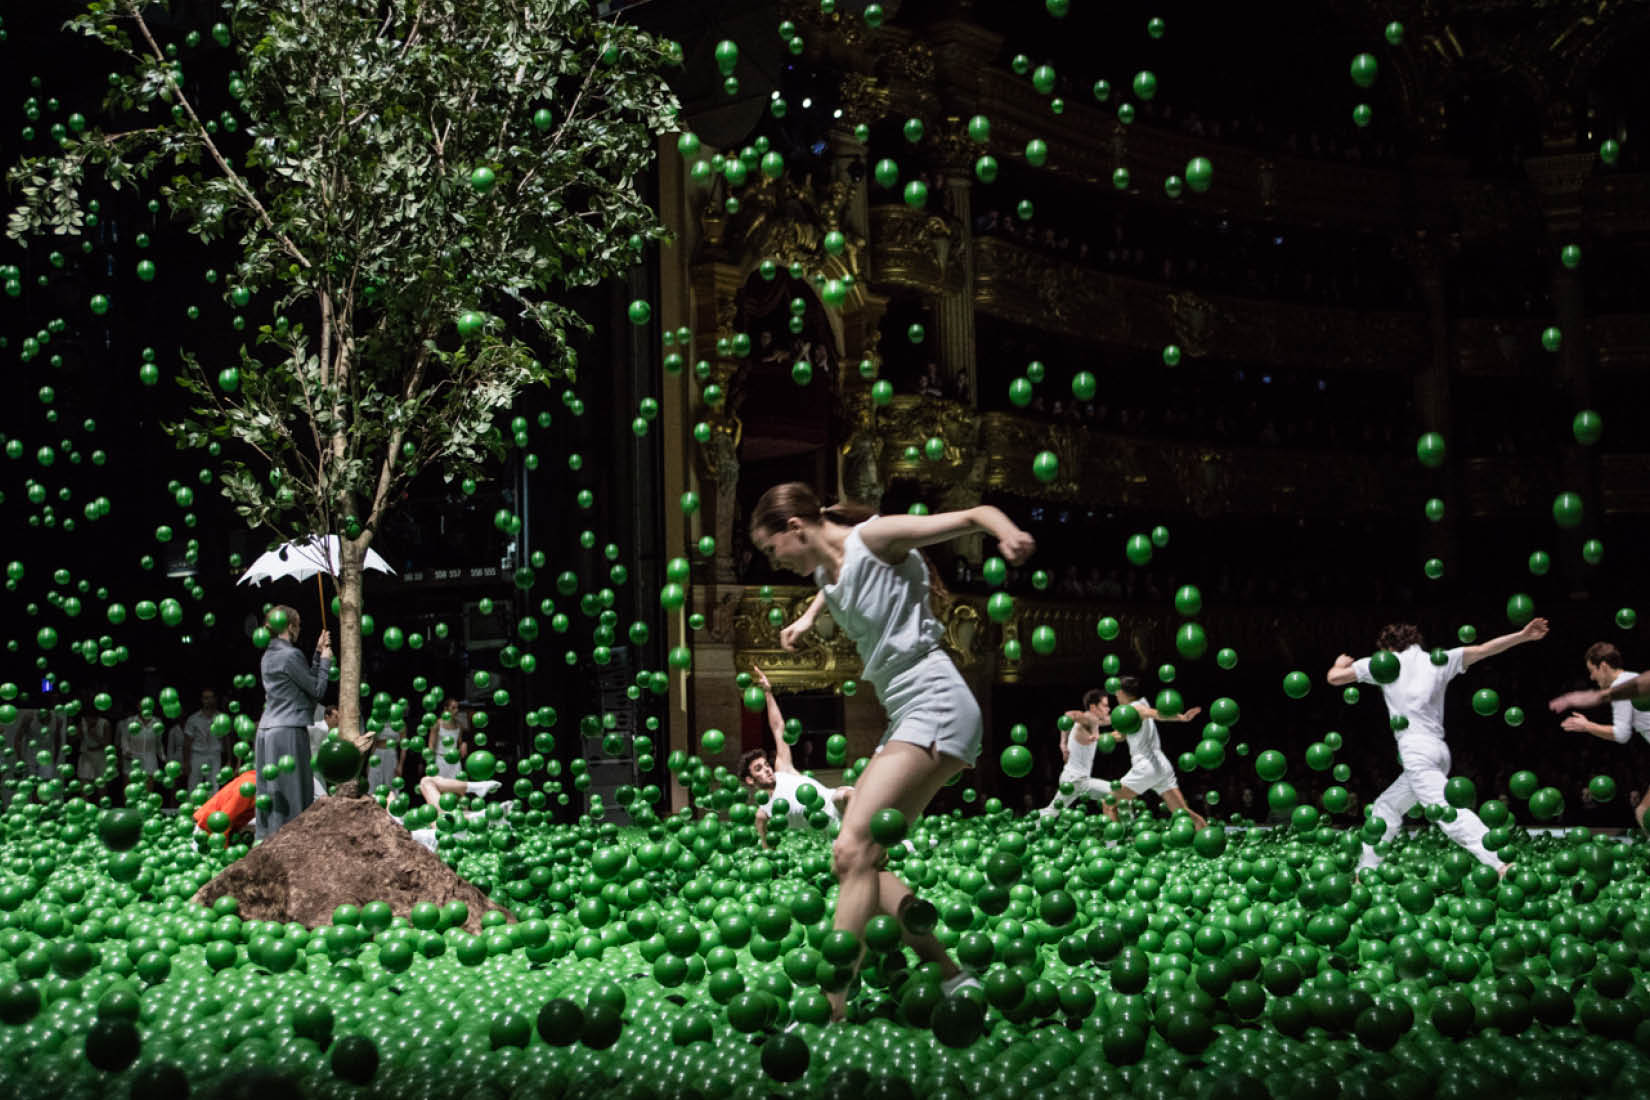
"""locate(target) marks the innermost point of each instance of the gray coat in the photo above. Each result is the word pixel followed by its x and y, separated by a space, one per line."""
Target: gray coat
pixel 292 685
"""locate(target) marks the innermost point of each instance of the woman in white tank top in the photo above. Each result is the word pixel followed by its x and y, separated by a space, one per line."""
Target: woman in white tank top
pixel 876 582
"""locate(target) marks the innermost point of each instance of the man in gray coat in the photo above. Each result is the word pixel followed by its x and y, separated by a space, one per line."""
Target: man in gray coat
pixel 292 688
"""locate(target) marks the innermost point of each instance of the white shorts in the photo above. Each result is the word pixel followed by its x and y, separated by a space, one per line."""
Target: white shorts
pixel 930 705
pixel 1151 774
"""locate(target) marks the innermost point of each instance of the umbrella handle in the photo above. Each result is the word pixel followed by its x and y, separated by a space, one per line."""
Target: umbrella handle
pixel 321 598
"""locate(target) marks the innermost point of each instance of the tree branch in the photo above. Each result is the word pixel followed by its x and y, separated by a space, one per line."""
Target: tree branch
pixel 205 138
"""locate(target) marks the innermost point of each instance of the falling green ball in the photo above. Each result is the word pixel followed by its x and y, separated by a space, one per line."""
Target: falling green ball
pixel 1045 466
pixel 1362 115
pixel 1199 174
pixel 1227 659
pixel 1364 69
pixel 1430 449
pixel 1570 256
pixel 1433 568
pixel 482 179
pixel 916 194
pixel 1384 666
pixel 1297 684
pixel 1627 618
pixel 1588 427
pixel 1043 640
pixel 1567 510
pixel 1016 761
pixel 1138 549
pixel 1602 788
pixel 1592 551
pixel 1000 607
pixel 1107 628
pixel 1552 338
pixel 1609 151
pixel 1171 355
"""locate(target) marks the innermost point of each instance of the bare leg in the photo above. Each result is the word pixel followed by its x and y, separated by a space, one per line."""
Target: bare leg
pixel 1177 801
pixel 432 787
pixel 906 778
pixel 1122 794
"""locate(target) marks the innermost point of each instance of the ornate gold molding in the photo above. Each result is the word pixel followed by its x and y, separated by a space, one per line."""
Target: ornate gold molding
pixel 917 249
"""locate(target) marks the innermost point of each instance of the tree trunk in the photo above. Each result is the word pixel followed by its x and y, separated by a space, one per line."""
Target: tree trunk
pixel 351 553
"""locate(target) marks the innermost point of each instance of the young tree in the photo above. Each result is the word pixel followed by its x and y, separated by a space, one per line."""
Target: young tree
pixel 411 182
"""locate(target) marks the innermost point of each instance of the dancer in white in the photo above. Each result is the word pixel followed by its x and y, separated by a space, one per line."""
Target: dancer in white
pixel 1415 700
pixel 872 575
pixel 1149 767
pixel 778 775
pixel 1077 747
pixel 449 742
pixel 1604 669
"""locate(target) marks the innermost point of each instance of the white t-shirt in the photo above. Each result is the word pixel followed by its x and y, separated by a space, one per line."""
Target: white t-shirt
pixel 1080 756
pixel 1626 718
pixel 197 730
pixel 1144 746
pixel 787 784
pixel 1418 692
pixel 883 608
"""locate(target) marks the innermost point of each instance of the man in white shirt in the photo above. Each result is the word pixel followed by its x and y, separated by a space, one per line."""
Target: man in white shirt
pixel 1077 747
pixel 1149 766
pixel 1413 685
pixel 202 749
pixel 1604 669
pixel 780 778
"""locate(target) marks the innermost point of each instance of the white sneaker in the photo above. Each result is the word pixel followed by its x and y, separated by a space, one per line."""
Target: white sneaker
pixel 960 980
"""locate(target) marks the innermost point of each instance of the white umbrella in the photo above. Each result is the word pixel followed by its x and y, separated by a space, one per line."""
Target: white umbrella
pixel 304 558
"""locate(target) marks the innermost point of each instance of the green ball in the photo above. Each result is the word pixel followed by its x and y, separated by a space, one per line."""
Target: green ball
pixel 1523 784
pixel 1384 666
pixel 1609 151
pixel 1520 609
pixel 1602 788
pixel 1043 640
pixel 1188 600
pixel 1125 719
pixel 1191 642
pixel 1271 765
pixel 1296 684
pixel 640 312
pixel 1171 355
pixel 1016 760
pixel 1430 450
pixel 1540 562
pixel 888 826
pixel 1627 618
pixel 1000 607
pixel 1567 510
pixel 1588 427
pixel 1364 69
pixel 1552 338
pixel 1547 803
pixel 1592 551
pixel 755 699
pixel 1107 628
pixel 480 765
pixel 1045 466
pixel 1394 33
pixel 1083 385
pixel 1138 549
pixel 916 194
pixel 712 740
pixel 1200 174
pixel 1227 659
pixel 1435 509
pixel 337 760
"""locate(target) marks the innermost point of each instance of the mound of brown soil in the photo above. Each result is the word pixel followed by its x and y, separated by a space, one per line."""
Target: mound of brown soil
pixel 340 851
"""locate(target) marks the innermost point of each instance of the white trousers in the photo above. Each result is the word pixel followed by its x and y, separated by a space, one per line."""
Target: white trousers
pixel 1082 786
pixel 1426 767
